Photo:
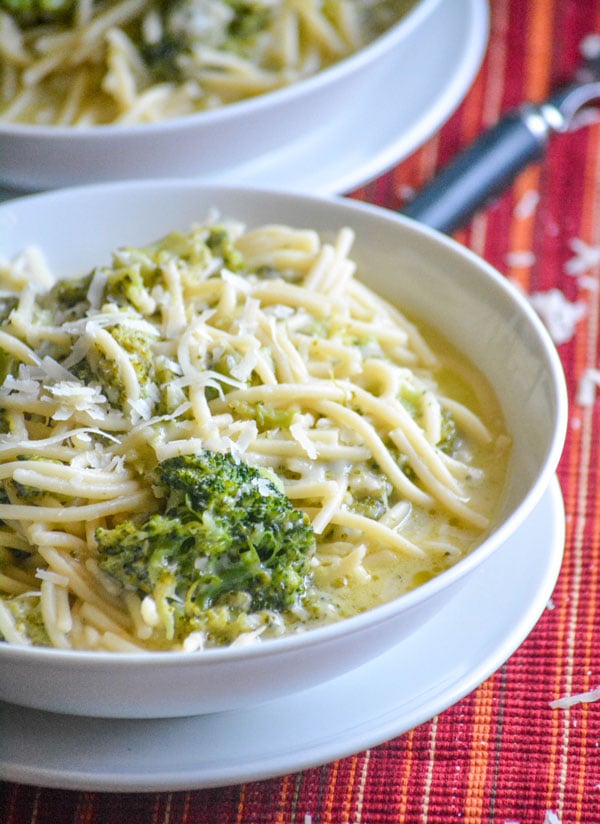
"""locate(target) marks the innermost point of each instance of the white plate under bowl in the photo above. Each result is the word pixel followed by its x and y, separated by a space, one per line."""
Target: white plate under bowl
pixel 438 66
pixel 445 660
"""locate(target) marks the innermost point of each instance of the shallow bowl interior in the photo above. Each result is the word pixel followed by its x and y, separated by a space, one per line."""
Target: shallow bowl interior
pixel 424 273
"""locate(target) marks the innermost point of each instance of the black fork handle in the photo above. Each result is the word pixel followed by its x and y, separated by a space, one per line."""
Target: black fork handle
pixel 483 170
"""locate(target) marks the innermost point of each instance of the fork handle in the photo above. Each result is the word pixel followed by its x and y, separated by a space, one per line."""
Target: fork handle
pixel 483 170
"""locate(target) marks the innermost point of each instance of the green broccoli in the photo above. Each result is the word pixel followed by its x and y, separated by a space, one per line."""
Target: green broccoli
pixel 67 299
pixel 227 543
pixel 266 417
pixel 8 365
pixel 221 245
pixel 161 57
pixel 32 12
pixel 101 370
pixel 411 398
pixel 7 304
pixel 250 18
pixel 234 32
pixel 449 435
pixel 27 615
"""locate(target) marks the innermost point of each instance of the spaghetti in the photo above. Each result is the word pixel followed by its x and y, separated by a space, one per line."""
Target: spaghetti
pixel 137 61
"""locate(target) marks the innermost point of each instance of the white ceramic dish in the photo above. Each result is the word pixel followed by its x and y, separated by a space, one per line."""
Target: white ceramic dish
pixel 420 677
pixel 430 276
pixel 379 129
pixel 211 141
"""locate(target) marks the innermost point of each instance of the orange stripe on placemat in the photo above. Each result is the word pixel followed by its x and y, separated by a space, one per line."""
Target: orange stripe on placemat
pixel 407 763
pixel 536 83
pixel 288 791
pixel 86 808
pixel 539 35
pixel 483 108
pixel 519 260
pixel 349 783
pixel 478 781
pixel 241 804
pixel 185 806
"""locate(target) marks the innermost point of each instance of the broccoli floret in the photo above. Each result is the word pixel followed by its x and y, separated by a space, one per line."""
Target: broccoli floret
pixel 221 245
pixel 99 369
pixel 7 304
pixel 228 542
pixel 32 12
pixel 8 365
pixel 197 248
pixel 128 282
pixel 11 490
pixel 447 442
pixel 67 299
pixel 232 25
pixel 411 398
pixel 161 57
pixel 138 346
pixel 67 293
pixel 135 272
pixel 250 19
pixel 27 615
pixel 266 417
pixel 370 506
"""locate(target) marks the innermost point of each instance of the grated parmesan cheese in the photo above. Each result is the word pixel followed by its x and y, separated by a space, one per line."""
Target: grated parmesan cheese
pixel 29 267
pixel 299 433
pixel 75 397
pixel 520 259
pixel 558 313
pixel 585 257
pixel 586 391
pixel 568 701
pixel 589 46
pixel 527 204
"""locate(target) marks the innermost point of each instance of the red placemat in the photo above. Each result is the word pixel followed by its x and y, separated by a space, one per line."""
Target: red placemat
pixel 501 755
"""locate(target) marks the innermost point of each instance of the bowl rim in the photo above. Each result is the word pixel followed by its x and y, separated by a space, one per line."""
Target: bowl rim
pixel 322 635
pixel 248 106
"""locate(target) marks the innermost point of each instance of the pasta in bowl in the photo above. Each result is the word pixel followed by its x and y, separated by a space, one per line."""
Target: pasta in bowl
pixel 95 90
pixel 229 458
pixel 88 63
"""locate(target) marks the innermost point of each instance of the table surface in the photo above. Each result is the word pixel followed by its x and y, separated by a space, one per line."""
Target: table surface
pixel 502 754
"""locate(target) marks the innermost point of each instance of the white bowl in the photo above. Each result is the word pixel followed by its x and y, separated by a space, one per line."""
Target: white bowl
pixel 428 274
pixel 42 157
